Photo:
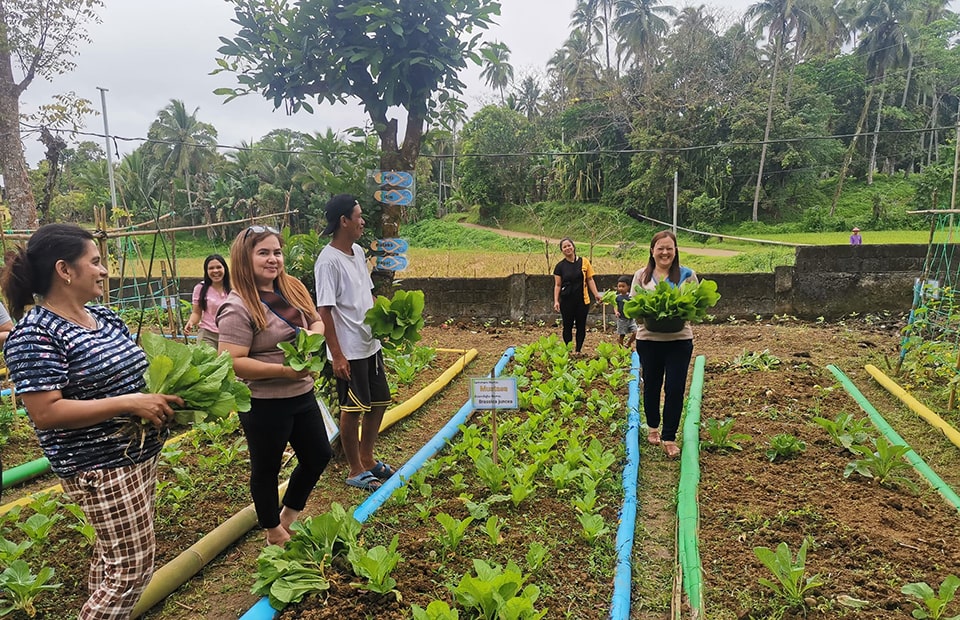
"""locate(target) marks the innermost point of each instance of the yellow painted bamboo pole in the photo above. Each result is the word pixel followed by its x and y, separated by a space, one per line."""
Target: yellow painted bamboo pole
pixel 915 405
pixel 395 414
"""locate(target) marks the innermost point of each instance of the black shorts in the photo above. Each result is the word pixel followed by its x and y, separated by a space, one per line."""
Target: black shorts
pixel 367 387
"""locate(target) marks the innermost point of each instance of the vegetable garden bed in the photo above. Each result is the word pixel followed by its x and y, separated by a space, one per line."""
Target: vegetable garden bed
pixel 866 540
pixel 221 591
pixel 203 479
pixel 542 518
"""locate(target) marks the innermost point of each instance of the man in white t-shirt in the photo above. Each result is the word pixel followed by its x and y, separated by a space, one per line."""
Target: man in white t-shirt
pixel 344 294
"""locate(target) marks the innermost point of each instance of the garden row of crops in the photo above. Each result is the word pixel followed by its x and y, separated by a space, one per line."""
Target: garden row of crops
pixel 520 531
pixel 806 510
pixel 795 484
pixel 45 541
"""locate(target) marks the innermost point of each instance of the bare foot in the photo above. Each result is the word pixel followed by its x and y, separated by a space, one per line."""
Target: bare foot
pixel 671 449
pixel 277 536
pixel 653 437
pixel 287 518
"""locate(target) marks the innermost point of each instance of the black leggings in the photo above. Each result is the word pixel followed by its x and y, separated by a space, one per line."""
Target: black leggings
pixel 574 314
pixel 659 361
pixel 270 425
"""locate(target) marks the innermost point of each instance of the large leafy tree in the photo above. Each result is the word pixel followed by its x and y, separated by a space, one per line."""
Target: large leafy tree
pixel 37 38
pixel 389 54
pixel 493 181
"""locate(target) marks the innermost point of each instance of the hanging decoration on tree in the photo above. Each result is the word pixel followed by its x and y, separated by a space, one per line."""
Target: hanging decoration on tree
pixel 396 189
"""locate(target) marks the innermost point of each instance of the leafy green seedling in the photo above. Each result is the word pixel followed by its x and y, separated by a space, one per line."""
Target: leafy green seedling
pixel 884 464
pixel 497 592
pixel 376 565
pixel 784 446
pixel 436 610
pixel 537 555
pixel 933 605
pixel 82 526
pixel 453 530
pixel 38 526
pixel 19 587
pixel 592 526
pixel 750 360
pixel 10 551
pixel 326 535
pixel 722 437
pixel 791 583
pixel 846 430
pixel 494 527
pixel 563 475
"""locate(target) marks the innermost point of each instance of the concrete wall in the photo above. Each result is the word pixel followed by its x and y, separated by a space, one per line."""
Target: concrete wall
pixel 827 281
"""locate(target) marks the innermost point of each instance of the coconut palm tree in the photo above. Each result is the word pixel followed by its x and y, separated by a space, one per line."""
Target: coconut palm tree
pixel 181 143
pixel 528 97
pixel 777 18
pixel 887 24
pixel 497 71
pixel 602 12
pixel 640 26
pixel 575 65
pixel 884 43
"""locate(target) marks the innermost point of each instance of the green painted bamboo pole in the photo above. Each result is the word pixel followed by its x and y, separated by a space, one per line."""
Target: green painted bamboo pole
pixel 25 471
pixel 884 427
pixel 688 509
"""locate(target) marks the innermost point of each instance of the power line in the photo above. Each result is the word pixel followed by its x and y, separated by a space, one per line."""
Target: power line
pixel 656 150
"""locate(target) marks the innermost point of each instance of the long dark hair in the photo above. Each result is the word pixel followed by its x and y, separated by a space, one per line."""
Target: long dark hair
pixel 207 282
pixel 29 270
pixel 241 257
pixel 674 275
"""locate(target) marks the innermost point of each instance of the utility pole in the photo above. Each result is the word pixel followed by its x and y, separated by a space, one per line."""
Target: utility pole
pixel 676 179
pixel 953 189
pixel 106 139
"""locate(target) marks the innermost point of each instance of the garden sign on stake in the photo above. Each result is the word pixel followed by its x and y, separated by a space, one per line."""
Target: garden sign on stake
pixel 494 393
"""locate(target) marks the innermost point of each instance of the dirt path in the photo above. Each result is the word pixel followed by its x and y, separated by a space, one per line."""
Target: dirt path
pixel 523 235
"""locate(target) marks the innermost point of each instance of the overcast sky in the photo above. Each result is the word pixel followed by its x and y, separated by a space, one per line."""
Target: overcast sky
pixel 147 52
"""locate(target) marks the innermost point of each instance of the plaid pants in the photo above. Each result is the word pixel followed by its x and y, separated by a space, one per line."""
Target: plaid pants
pixel 119 504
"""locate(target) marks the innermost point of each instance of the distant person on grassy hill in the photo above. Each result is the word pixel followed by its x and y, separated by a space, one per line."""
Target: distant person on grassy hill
pixel 855 238
pixel 79 374
pixel 573 283
pixel 664 355
pixel 268 306
pixel 344 294
pixel 207 297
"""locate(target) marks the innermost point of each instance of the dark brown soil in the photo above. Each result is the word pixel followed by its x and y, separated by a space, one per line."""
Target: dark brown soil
pixel 867 540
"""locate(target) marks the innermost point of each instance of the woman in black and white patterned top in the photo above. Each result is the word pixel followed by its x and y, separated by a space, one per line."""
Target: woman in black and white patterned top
pixel 80 377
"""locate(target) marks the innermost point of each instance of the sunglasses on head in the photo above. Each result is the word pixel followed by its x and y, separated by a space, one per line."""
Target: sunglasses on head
pixel 258 229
